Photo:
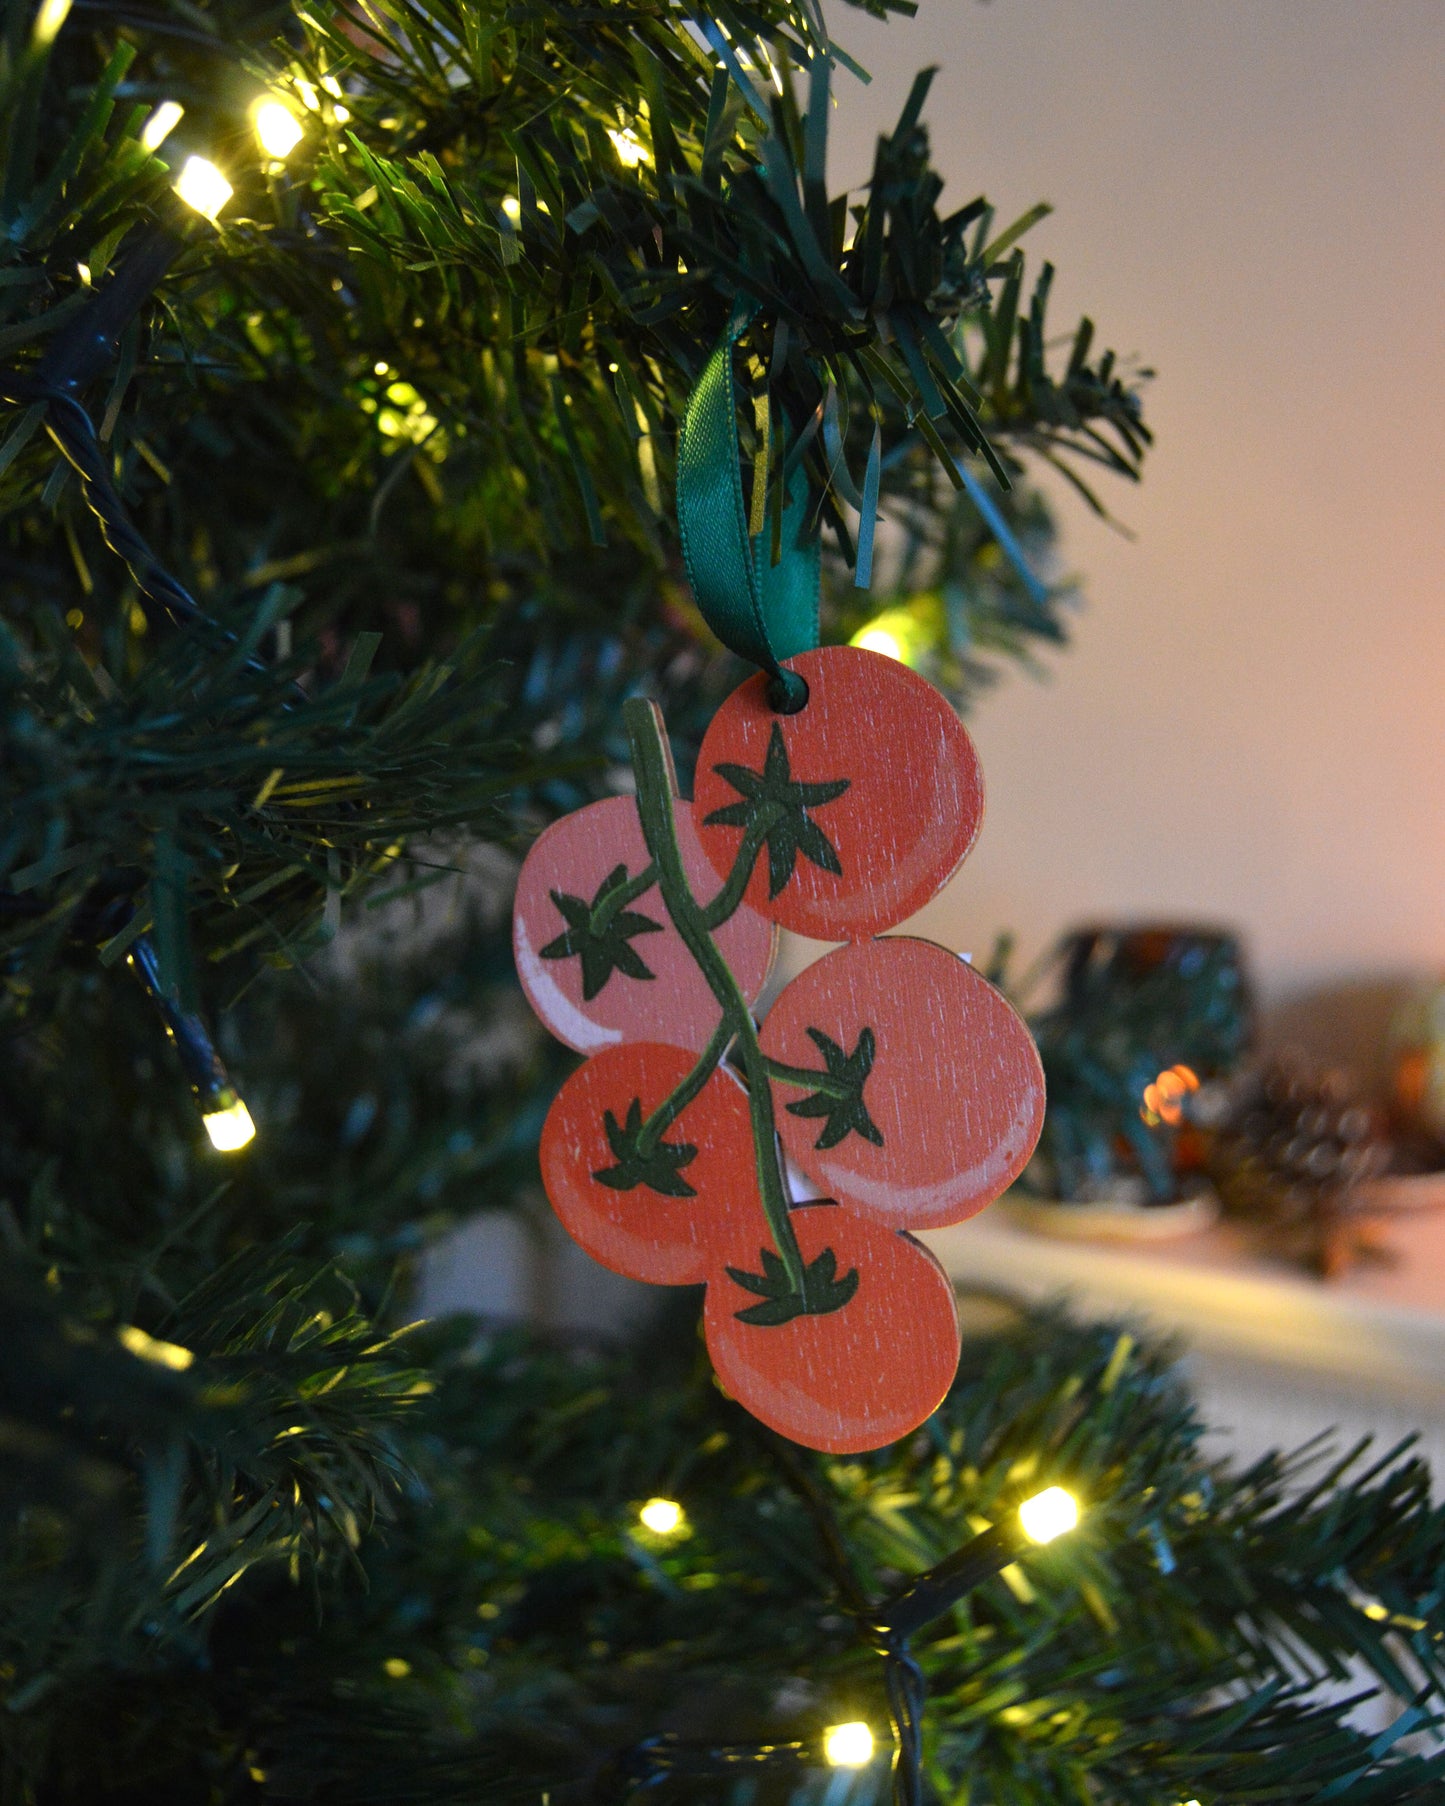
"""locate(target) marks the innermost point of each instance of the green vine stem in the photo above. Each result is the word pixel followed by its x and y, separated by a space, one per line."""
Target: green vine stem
pixel 625 894
pixel 807 1078
pixel 652 766
pixel 671 1107
pixel 725 903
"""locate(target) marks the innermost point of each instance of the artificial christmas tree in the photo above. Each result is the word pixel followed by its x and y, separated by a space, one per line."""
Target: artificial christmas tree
pixel 338 530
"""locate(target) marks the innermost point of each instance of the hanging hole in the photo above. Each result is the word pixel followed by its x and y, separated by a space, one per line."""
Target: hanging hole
pixel 787 693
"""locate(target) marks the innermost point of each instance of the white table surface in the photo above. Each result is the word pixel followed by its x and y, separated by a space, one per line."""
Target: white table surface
pixel 1275 1355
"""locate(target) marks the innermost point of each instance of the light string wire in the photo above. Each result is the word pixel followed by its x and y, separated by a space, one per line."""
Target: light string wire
pixel 76 357
pixel 888 1627
pixel 74 434
pixel 79 354
pixel 202 1065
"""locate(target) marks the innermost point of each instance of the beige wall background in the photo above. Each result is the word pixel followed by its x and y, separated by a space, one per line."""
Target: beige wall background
pixel 1249 194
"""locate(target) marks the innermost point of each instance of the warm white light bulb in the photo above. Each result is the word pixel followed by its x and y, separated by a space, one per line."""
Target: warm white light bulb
pixel 848 1745
pixel 629 147
pixel 661 1516
pixel 1049 1514
pixel 167 116
pixel 48 21
pixel 277 129
pixel 879 639
pixel 203 187
pixel 151 1348
pixel 230 1129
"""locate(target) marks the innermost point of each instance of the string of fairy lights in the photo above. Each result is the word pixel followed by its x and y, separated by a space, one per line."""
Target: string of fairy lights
pixel 205 189
pixel 76 357
pixel 888 1626
pixel 73 359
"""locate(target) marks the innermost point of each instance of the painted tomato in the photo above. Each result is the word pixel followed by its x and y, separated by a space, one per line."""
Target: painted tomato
pixel 653 1211
pixel 852 1378
pixel 600 967
pixel 929 1094
pixel 859 807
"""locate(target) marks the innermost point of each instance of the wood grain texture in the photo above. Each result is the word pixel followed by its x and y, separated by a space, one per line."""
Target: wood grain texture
pixel 892 1076
pixel 855 1378
pixel 911 809
pixel 574 857
pixel 955 1091
pixel 639 1231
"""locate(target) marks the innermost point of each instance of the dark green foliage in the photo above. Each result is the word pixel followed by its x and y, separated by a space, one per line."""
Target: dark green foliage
pixel 488 1494
pixel 259 1540
pixel 166 1488
pixel 958 604
pixel 406 400
pixel 255 808
pixel 518 1629
pixel 394 1096
pixel 643 267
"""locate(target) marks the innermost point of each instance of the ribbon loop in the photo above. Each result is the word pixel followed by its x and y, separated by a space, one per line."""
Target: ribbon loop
pixel 764 611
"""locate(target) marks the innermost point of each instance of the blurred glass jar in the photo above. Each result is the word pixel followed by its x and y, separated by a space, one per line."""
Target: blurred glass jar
pixel 1148 1016
pixel 1418 1047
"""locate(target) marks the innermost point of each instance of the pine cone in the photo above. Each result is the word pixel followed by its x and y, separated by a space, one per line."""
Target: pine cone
pixel 1291 1157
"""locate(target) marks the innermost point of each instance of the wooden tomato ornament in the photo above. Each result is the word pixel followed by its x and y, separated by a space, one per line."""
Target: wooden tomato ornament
pixel 649 1194
pixel 866 1365
pixel 852 812
pixel 596 951
pixel 909 1087
pixel 893 1075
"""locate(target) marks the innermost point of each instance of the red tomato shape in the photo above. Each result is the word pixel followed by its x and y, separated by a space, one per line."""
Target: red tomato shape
pixel 640 1230
pixel 875 790
pixel 854 1378
pixel 636 981
pixel 949 1088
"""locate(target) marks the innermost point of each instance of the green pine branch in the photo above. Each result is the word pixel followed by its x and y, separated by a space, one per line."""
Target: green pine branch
pixel 512 1627
pixel 261 806
pixel 516 1623
pixel 415 410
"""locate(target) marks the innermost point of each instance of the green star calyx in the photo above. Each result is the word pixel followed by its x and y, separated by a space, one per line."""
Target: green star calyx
pixel 774 806
pixel 658 1167
pixel 844 1114
pixel 601 936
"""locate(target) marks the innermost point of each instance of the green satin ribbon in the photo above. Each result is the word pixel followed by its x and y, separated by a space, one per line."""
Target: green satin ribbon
pixel 764 612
